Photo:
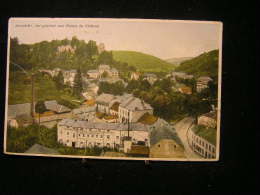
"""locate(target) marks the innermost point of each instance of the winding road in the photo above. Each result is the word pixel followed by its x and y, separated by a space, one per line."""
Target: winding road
pixel 181 129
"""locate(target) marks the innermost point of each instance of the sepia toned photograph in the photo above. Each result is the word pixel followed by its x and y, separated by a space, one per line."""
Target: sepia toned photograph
pixel 127 89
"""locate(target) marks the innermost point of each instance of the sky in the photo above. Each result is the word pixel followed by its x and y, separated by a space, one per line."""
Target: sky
pixel 162 38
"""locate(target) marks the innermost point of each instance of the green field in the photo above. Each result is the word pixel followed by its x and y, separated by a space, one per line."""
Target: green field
pixel 143 62
pixel 45 89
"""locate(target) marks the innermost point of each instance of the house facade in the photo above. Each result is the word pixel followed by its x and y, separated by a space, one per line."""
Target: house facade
pixel 80 134
pixel 69 76
pixel 202 145
pixel 132 109
pixel 93 74
pixel 135 75
pixel 97 73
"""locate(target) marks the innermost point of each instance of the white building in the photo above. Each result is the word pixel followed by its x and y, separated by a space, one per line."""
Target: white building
pixel 127 107
pixel 132 109
pixel 181 75
pixel 202 83
pixel 151 78
pixel 113 73
pixel 103 67
pixel 93 74
pixel 69 76
pixel 203 141
pixel 135 75
pixel 80 134
pixel 66 48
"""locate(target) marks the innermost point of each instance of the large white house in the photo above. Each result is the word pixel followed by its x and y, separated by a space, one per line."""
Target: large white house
pixel 80 134
pixel 97 73
pixel 127 107
pixel 69 76
pixel 132 109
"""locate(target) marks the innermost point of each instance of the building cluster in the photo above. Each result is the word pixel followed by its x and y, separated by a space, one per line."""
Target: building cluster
pixel 127 108
pixel 21 114
pixel 202 137
pixel 66 48
pixel 201 82
pixel 68 75
pixel 101 71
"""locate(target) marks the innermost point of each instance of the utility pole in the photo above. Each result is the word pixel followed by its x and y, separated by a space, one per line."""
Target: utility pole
pixel 33 97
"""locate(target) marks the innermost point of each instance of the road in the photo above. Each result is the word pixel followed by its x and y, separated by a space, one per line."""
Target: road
pixel 181 129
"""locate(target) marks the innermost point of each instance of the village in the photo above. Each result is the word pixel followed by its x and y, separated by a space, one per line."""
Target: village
pixel 123 124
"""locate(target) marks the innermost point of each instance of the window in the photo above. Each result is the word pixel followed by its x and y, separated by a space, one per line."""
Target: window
pixel 209 148
pixel 108 136
pixel 68 133
pixel 96 136
pixel 73 135
pixel 67 141
pixel 158 145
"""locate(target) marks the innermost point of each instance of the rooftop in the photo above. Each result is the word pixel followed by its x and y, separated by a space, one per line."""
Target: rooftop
pixel 159 133
pixel 102 126
pixel 93 71
pixel 204 79
pixel 105 98
pixel 135 104
pixel 54 106
pixel 209 134
pixel 150 75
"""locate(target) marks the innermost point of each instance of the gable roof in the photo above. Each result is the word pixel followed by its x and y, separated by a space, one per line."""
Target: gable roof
pixel 162 130
pixel 135 104
pixel 104 126
pixel 204 79
pixel 54 106
pixel 105 98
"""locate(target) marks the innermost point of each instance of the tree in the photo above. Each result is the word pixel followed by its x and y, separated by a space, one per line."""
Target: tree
pixel 40 108
pixel 59 81
pixel 78 86
pixel 105 57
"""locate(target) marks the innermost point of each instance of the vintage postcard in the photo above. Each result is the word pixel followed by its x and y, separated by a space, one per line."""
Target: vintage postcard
pixel 134 89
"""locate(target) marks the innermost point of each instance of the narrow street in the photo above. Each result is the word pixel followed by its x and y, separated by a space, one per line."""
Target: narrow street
pixel 181 129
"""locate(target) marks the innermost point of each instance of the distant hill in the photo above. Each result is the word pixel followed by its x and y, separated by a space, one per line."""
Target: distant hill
pixel 177 61
pixel 143 62
pixel 205 64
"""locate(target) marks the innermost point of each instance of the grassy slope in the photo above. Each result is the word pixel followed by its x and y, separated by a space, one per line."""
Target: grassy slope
pixel 45 89
pixel 205 64
pixel 143 62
